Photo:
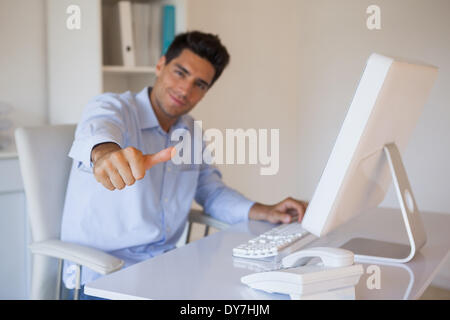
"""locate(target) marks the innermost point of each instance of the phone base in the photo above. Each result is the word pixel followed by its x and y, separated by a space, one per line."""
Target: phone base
pixel 338 294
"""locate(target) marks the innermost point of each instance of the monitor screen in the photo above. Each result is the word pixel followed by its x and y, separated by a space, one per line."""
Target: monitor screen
pixel 385 109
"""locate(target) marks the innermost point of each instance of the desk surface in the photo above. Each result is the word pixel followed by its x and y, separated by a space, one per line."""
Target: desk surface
pixel 206 270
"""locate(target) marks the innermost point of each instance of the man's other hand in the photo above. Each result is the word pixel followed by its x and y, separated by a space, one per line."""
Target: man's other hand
pixel 116 168
pixel 286 211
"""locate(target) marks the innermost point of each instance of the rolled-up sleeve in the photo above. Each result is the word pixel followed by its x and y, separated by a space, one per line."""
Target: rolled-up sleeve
pixel 102 121
pixel 218 200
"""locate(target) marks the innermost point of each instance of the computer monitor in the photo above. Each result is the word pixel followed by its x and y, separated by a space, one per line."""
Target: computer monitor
pixel 366 155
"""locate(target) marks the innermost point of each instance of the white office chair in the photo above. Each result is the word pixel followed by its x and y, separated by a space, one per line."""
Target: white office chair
pixel 198 216
pixel 45 169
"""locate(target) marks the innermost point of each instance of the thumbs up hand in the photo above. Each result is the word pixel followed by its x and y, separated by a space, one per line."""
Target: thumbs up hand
pixel 116 168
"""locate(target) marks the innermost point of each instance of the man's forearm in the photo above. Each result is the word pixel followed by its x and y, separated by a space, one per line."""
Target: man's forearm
pixel 258 211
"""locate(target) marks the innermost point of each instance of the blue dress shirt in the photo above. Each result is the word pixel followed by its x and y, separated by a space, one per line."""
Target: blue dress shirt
pixel 147 218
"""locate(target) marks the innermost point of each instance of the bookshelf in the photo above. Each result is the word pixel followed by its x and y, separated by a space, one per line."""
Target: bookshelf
pixel 128 70
pixel 82 63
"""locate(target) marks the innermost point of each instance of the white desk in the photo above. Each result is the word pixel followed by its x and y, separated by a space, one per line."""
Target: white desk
pixel 206 270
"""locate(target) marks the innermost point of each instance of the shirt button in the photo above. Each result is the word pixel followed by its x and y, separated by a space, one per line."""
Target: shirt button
pixel 166 200
pixel 169 169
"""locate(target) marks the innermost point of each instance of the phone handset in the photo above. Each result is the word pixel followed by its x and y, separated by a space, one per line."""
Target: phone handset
pixel 331 257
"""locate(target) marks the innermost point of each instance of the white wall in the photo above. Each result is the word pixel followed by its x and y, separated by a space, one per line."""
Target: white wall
pixel 23 60
pixel 259 89
pixel 74 59
pixel 23 85
pixel 335 45
pixel 295 65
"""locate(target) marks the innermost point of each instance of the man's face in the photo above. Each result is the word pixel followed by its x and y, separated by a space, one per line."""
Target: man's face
pixel 182 83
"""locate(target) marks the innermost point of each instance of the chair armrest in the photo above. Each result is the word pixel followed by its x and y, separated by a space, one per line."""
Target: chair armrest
pixel 199 216
pixel 94 259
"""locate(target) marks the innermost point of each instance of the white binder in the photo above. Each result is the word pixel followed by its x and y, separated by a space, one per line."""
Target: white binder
pixel 126 33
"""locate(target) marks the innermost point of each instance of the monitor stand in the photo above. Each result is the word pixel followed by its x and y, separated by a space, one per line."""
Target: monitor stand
pixel 381 251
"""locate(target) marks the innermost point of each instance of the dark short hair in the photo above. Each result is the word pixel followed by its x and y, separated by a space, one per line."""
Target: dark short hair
pixel 206 45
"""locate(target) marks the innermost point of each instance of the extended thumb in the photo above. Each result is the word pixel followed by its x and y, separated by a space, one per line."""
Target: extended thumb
pixel 161 156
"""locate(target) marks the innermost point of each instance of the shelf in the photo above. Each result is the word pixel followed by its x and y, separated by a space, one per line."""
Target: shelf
pixel 128 70
pixel 9 152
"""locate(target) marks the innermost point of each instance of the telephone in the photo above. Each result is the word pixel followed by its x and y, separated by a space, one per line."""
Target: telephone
pixel 331 257
pixel 335 277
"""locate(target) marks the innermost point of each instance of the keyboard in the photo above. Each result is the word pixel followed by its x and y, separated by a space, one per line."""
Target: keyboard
pixel 284 238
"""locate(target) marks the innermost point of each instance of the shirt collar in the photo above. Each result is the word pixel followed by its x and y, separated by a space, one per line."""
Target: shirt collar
pixel 147 115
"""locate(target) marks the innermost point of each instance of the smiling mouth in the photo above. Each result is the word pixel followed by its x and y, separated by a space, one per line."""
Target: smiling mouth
pixel 177 101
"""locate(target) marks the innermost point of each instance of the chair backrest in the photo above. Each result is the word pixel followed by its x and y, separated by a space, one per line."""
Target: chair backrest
pixel 45 167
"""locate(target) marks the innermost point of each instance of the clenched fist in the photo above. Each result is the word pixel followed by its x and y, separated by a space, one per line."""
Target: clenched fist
pixel 115 168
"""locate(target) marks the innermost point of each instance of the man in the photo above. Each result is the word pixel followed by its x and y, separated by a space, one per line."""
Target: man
pixel 124 196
